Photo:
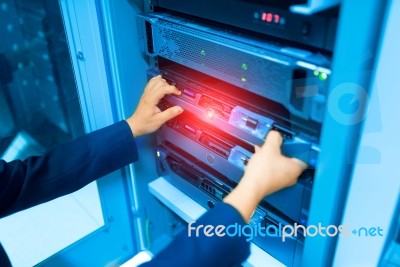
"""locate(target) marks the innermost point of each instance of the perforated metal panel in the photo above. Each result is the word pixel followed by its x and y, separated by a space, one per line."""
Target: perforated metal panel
pixel 260 71
pixel 264 68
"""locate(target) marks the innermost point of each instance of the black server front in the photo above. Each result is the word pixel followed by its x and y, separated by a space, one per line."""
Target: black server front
pixel 237 85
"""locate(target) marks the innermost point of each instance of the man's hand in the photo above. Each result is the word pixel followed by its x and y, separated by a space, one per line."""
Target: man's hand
pixel 266 172
pixel 148 117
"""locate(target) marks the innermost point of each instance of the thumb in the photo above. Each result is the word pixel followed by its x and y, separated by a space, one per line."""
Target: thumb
pixel 168 114
pixel 273 141
pixel 301 165
pixel 257 148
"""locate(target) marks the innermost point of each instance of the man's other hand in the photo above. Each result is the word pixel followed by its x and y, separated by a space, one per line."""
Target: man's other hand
pixel 148 118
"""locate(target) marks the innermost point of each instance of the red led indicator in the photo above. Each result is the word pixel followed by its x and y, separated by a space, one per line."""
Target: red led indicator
pixel 270 17
pixel 276 18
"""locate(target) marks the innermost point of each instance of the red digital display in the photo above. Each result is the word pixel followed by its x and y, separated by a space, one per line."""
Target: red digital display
pixel 270 17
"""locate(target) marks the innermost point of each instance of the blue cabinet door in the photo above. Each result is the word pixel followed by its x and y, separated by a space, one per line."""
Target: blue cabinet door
pixel 56 89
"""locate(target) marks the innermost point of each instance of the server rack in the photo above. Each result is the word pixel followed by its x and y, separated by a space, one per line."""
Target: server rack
pixel 153 222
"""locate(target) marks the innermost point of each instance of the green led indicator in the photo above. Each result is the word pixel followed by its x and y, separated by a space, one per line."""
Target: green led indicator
pixel 244 66
pixel 158 154
pixel 323 76
pixel 316 73
pixel 203 52
pixel 244 79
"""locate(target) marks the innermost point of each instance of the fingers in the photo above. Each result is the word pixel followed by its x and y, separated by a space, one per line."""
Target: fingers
pixel 294 168
pixel 167 90
pixel 153 81
pixel 168 114
pixel 158 87
pixel 301 165
pixel 160 92
pixel 274 141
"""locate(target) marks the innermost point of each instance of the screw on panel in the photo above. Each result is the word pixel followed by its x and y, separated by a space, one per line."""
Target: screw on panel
pixel 80 56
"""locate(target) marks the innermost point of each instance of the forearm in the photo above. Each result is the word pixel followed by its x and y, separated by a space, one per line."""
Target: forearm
pixel 65 169
pixel 245 198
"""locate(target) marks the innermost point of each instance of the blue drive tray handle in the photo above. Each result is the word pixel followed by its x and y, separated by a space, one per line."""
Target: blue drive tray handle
pixel 259 126
pixel 297 146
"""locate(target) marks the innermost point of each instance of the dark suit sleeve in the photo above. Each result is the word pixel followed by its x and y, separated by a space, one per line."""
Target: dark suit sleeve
pixel 65 169
pixel 204 251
